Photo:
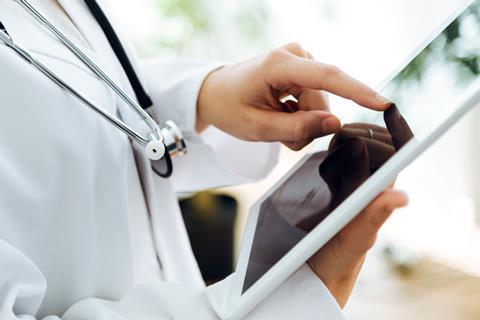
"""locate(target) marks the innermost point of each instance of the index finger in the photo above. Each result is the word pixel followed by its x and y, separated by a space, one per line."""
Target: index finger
pixel 312 74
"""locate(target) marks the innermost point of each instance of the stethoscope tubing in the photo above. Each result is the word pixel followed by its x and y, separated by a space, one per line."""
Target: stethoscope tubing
pixel 100 74
pixel 64 85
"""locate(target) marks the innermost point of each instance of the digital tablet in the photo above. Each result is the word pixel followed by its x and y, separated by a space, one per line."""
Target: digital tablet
pixel 433 89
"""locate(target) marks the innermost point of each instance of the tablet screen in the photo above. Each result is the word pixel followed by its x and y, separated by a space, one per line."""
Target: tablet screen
pixel 424 92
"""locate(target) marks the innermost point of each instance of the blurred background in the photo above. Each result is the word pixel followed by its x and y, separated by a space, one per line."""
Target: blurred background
pixel 426 263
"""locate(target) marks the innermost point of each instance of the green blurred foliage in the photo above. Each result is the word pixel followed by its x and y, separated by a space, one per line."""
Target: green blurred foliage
pixel 206 21
pixel 251 20
pixel 446 47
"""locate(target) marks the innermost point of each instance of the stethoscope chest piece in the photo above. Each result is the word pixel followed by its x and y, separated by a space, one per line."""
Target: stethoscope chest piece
pixel 173 139
pixel 169 140
pixel 155 150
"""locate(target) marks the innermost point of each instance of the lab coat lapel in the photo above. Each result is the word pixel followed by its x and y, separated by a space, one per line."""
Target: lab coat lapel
pixel 170 236
pixel 41 43
pixel 169 233
pixel 93 33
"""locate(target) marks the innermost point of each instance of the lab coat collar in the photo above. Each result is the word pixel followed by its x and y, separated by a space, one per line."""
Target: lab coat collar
pixel 85 22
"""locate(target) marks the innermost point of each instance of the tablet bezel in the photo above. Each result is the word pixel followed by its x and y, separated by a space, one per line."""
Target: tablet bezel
pixel 237 304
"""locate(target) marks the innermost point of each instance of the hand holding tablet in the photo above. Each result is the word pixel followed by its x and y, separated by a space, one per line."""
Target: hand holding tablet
pixel 329 207
pixel 355 153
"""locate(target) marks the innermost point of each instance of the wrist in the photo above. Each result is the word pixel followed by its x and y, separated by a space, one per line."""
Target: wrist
pixel 206 98
pixel 340 281
pixel 336 287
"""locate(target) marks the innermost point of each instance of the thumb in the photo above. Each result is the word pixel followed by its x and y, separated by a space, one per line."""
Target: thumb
pixel 360 235
pixel 294 129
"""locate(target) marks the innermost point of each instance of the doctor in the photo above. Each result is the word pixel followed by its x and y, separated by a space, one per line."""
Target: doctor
pixel 88 231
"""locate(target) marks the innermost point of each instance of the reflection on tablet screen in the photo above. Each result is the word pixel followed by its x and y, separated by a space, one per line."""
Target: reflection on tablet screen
pixel 300 197
pixel 319 185
pixel 425 92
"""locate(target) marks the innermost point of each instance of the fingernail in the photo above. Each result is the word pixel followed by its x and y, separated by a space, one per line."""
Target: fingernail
pixel 330 125
pixel 382 99
pixel 392 113
pixel 397 113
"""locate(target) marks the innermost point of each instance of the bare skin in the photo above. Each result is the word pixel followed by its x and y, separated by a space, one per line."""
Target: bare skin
pixel 244 100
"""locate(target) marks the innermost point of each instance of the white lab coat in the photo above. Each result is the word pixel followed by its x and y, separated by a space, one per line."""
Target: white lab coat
pixel 65 242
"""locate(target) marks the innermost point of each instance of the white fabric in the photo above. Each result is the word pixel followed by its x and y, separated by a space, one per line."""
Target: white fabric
pixel 303 286
pixel 146 266
pixel 71 206
pixel 218 167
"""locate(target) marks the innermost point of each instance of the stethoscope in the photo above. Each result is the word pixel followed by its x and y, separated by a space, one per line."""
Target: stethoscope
pixel 160 144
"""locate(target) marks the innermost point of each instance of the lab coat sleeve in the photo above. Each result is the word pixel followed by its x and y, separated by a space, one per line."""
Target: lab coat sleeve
pixel 301 296
pixel 311 300
pixel 22 289
pixel 214 158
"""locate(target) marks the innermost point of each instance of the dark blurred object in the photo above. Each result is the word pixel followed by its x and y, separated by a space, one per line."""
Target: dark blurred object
pixel 210 220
